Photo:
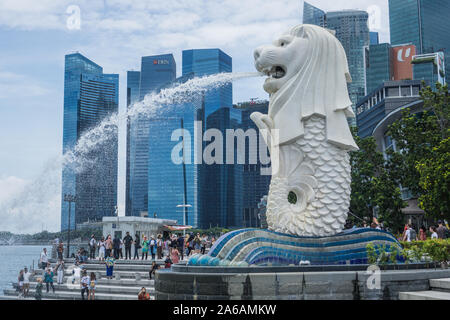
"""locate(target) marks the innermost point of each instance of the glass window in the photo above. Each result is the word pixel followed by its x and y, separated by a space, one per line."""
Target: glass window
pixel 406 91
pixel 415 90
pixel 392 92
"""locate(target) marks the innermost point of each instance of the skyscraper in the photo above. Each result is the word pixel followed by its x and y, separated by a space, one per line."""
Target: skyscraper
pixel 313 15
pixel 353 32
pixel 213 203
pixel 133 85
pixel 89 97
pixel 155 72
pixel 253 183
pixel 378 65
pixel 424 23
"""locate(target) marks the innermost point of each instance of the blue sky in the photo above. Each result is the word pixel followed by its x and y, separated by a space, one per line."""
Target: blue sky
pixel 34 37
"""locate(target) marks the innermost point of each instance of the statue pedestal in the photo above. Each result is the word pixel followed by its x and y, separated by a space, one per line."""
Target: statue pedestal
pixel 246 247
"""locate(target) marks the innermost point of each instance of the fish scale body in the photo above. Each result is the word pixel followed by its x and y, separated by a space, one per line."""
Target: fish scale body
pixel 321 180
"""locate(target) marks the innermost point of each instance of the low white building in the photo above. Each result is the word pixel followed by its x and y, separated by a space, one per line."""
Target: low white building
pixel 143 226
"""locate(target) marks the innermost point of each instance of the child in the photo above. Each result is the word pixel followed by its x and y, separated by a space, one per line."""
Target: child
pixel 38 293
pixel 92 285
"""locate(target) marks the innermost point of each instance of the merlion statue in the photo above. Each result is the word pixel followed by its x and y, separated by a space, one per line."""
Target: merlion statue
pixel 309 139
pixel 307 132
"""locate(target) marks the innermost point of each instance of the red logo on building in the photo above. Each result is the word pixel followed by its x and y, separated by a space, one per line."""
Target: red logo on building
pixel 155 61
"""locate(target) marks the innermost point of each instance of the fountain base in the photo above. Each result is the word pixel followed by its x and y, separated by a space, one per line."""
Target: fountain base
pixel 246 247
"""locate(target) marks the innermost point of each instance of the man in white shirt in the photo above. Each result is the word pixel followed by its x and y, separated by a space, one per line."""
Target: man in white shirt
pixel 44 259
pixel 76 272
pixel 26 281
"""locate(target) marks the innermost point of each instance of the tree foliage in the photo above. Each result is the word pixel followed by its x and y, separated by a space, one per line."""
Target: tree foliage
pixel 374 187
pixel 421 160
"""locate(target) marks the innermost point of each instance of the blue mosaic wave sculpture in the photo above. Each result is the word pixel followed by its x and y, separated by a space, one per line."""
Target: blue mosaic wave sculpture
pixel 246 247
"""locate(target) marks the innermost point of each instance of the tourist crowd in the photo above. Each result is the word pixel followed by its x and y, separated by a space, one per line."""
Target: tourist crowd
pixel 170 249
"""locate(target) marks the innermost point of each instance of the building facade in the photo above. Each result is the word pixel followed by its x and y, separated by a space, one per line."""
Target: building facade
pixel 424 23
pixel 353 32
pixel 155 71
pixel 89 97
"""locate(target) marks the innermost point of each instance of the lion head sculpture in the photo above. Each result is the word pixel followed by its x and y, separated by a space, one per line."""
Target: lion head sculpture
pixel 307 74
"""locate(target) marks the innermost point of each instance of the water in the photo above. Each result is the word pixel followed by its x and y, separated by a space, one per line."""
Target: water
pixel 15 258
pixel 40 199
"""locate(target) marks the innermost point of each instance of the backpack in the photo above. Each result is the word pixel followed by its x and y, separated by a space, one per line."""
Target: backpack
pixel 412 234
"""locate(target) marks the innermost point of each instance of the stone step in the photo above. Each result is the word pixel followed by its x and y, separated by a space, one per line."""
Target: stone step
pixel 122 274
pixel 101 288
pixel 424 295
pixel 132 282
pixel 16 297
pixel 76 295
pixel 440 284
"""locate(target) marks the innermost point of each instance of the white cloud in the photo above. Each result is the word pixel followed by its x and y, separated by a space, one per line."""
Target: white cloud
pixel 13 84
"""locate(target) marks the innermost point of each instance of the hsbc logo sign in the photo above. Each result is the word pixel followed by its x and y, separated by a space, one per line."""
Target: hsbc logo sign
pixel 157 61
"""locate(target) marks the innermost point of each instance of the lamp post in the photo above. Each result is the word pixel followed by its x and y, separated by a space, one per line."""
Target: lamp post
pixel 185 206
pixel 69 198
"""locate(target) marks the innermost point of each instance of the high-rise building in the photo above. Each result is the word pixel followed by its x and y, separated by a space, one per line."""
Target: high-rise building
pixel 374 38
pixel 89 97
pixel 378 62
pixel 253 182
pixel 353 32
pixel 430 68
pixel 133 85
pixel 155 72
pixel 313 15
pixel 213 203
pixel 424 23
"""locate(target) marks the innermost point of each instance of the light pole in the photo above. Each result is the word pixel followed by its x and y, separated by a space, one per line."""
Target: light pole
pixel 185 206
pixel 69 198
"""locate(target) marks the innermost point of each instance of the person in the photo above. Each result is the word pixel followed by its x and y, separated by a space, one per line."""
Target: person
pixel 153 247
pixel 60 272
pixel 204 240
pixel 43 259
pixel 20 283
pixel 137 246
pixel 441 230
pixel 166 245
pixel 101 249
pixel 153 269
pixel 48 279
pixel 159 246
pixel 145 248
pixel 410 234
pixel 180 246
pixel 434 234
pixel 110 266
pixel 143 294
pixel 60 250
pixel 422 234
pixel 26 281
pixel 83 255
pixel 120 249
pixel 38 290
pixel 168 262
pixel 190 244
pixel 84 284
pixel 108 245
pixel 197 243
pixel 92 244
pixel 92 284
pixel 128 240
pixel 76 273
pixel 116 246
pixel 174 255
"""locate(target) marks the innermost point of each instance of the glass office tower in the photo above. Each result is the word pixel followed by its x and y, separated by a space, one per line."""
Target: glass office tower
pixel 378 62
pixel 133 86
pixel 89 97
pixel 155 71
pixel 313 15
pixel 425 23
pixel 353 32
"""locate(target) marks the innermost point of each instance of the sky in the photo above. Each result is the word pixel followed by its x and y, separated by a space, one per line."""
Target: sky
pixel 35 36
